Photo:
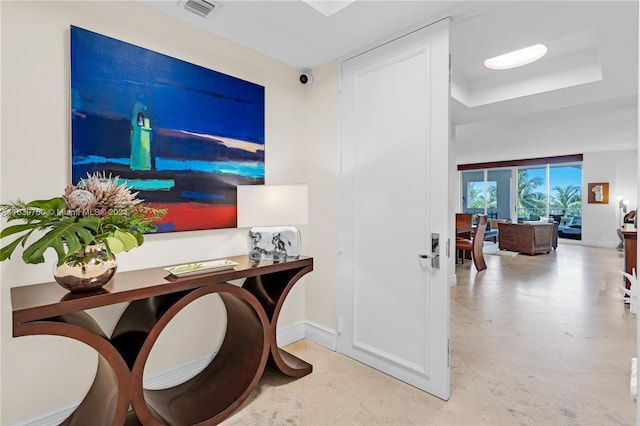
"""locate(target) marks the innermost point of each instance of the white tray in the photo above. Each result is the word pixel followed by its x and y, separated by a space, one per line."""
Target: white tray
pixel 201 267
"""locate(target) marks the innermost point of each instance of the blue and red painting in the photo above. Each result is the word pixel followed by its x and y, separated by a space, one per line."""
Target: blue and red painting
pixel 182 135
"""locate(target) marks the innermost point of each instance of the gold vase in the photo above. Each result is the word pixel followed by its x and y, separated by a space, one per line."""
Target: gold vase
pixel 88 269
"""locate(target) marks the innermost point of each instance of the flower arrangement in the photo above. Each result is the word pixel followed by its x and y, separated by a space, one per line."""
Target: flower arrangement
pixel 97 210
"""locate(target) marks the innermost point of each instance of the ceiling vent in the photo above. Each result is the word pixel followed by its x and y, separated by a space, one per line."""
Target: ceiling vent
pixel 201 7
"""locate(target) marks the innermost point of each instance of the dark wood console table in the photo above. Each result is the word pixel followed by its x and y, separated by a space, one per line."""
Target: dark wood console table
pixel 630 236
pixel 117 396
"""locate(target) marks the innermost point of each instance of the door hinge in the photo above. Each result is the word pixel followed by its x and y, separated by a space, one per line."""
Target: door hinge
pixel 448 352
pixel 448 246
pixel 340 325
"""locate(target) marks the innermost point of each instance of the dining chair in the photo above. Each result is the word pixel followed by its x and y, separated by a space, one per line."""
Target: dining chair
pixel 464 225
pixel 474 245
pixel 464 221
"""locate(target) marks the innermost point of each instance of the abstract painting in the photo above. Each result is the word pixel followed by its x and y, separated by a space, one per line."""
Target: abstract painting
pixel 182 135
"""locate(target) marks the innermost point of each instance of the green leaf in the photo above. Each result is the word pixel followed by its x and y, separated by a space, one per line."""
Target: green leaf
pixel 17 228
pixel 91 222
pixel 115 245
pixel 139 237
pixel 58 246
pixel 7 251
pixel 62 230
pixel 129 241
pixel 54 204
pixel 73 244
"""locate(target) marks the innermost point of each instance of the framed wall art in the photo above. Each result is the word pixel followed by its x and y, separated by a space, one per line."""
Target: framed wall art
pixel 182 135
pixel 598 193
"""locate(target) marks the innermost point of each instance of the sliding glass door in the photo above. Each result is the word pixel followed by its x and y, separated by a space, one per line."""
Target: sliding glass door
pixel 487 191
pixel 565 199
pixel 499 193
pixel 566 196
pixel 473 193
pixel 532 193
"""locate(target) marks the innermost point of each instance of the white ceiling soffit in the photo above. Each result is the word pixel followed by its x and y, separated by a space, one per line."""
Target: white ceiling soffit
pixel 570 61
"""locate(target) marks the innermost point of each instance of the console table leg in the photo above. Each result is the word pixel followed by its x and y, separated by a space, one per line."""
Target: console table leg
pixel 272 290
pixel 219 389
pixel 107 401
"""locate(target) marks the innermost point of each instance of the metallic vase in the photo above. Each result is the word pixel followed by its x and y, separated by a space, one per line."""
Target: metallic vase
pixel 88 269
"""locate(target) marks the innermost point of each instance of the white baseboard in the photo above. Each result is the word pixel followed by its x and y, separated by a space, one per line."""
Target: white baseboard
pixel 605 244
pixel 321 335
pixel 180 373
pixel 291 333
pixel 50 418
pixel 316 333
pixel 177 374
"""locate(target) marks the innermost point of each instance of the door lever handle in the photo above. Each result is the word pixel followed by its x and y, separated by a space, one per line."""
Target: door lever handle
pixel 429 256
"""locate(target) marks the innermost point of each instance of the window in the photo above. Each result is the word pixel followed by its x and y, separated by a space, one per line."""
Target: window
pixel 525 190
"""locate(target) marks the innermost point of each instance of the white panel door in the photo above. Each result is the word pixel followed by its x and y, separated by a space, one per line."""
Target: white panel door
pixel 393 304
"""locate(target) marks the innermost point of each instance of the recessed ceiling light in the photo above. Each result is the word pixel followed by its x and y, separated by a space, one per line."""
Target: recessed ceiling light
pixel 517 58
pixel 328 8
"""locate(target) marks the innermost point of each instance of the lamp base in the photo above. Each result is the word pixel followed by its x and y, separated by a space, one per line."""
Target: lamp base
pixel 274 243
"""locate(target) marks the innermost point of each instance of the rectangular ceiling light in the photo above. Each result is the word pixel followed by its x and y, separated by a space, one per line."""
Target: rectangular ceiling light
pixel 328 8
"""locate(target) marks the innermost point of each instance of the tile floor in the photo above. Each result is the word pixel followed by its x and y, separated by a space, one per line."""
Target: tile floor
pixel 542 340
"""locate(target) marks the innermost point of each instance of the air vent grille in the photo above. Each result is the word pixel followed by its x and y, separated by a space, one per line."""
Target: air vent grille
pixel 200 7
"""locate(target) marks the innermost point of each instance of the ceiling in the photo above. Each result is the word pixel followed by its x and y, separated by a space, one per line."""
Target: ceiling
pixel 592 58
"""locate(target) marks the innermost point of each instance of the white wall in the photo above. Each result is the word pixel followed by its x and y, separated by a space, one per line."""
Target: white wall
pixel 321 134
pixel 35 163
pixel 620 169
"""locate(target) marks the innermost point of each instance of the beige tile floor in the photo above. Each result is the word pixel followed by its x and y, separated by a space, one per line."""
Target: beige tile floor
pixel 542 340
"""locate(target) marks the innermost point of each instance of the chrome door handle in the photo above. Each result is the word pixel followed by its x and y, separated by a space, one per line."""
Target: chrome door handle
pixel 429 256
pixel 435 251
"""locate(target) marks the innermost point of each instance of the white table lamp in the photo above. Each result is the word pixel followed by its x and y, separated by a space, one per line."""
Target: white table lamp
pixel 271 211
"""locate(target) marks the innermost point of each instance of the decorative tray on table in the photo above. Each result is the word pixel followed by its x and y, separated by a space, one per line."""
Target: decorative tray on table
pixel 201 267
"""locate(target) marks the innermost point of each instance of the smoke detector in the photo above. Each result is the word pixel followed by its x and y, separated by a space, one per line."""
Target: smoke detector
pixel 201 7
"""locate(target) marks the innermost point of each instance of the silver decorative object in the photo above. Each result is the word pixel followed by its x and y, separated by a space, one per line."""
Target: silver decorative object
pixel 274 243
pixel 271 211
